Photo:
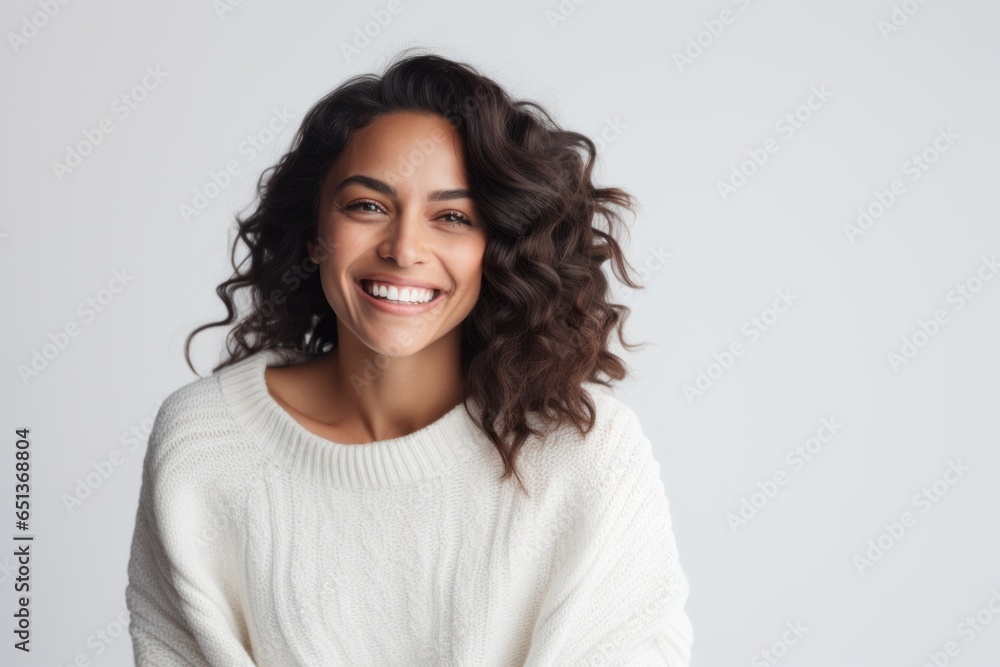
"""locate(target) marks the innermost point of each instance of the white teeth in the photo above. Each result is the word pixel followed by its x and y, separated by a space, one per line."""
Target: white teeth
pixel 393 293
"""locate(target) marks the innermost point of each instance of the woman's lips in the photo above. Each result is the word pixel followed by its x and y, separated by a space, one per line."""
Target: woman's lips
pixel 399 308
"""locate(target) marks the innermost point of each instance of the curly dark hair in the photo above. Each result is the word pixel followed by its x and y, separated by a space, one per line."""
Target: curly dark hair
pixel 542 322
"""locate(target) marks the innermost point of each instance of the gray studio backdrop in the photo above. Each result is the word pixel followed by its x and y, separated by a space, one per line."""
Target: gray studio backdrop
pixel 818 240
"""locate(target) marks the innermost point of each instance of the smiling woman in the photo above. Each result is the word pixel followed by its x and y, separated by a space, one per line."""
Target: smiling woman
pixel 338 491
pixel 400 246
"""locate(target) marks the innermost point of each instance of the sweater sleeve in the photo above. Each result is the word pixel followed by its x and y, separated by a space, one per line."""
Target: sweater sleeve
pixel 618 594
pixel 177 604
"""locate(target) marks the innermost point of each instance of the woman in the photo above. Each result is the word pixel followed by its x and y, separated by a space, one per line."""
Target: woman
pixel 429 321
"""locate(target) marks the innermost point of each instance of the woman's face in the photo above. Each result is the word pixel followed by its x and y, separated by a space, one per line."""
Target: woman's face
pixel 395 214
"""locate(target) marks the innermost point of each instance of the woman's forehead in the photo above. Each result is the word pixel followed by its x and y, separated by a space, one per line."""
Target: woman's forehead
pixel 404 152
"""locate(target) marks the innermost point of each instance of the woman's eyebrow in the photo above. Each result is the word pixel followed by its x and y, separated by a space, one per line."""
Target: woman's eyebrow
pixel 385 188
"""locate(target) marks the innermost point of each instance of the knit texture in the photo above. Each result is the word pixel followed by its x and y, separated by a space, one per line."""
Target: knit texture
pixel 258 542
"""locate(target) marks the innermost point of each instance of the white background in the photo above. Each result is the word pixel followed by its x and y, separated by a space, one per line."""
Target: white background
pixel 681 130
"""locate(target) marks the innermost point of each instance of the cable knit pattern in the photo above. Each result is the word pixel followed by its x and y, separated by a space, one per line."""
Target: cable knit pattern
pixel 258 542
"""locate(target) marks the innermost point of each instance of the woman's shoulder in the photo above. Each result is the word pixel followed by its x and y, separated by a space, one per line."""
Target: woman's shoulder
pixel 185 419
pixel 616 437
pixel 194 433
pixel 615 421
pixel 207 403
pixel 194 404
pixel 595 479
pixel 195 472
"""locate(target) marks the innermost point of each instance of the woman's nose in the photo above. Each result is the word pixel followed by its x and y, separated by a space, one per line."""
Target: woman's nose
pixel 404 240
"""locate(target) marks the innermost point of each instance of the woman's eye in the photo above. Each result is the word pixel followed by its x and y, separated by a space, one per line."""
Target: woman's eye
pixel 369 206
pixel 358 206
pixel 458 218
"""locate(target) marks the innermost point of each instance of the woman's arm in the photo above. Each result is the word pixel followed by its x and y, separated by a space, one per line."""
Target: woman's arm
pixel 179 615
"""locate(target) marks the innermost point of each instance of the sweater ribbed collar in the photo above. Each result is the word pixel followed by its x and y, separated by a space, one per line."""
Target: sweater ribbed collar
pixel 437 448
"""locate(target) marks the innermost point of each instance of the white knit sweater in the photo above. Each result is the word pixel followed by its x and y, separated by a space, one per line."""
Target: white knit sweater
pixel 258 542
